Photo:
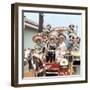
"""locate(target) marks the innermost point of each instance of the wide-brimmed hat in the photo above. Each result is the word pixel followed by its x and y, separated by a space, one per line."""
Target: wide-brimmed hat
pixel 53 33
pixel 37 37
pixel 59 29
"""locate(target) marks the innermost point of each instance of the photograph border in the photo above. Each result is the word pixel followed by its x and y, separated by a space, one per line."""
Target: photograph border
pixel 14 43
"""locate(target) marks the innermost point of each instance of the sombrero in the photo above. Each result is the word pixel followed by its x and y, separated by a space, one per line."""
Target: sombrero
pixel 64 62
pixel 53 33
pixel 37 37
pixel 59 29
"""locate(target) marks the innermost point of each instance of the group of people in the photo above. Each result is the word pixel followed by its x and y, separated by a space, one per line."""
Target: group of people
pixel 56 43
pixel 52 46
pixel 56 48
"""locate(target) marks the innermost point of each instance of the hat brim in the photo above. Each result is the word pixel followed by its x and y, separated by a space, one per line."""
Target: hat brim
pixel 37 37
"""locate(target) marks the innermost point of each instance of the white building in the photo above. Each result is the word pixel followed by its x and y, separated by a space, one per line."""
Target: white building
pixel 30 29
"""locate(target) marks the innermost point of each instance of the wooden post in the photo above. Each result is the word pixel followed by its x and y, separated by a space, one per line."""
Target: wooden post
pixel 40 22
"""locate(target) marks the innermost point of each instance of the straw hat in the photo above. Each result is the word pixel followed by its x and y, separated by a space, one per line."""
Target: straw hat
pixel 53 33
pixel 37 37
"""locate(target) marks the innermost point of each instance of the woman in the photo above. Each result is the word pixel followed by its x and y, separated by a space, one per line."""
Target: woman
pixel 61 49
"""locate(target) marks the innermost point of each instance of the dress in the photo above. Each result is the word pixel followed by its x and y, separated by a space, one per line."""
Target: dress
pixel 60 52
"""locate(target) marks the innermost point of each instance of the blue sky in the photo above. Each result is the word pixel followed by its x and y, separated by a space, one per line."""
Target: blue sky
pixel 57 20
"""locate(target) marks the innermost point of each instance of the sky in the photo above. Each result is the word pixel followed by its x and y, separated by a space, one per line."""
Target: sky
pixel 57 20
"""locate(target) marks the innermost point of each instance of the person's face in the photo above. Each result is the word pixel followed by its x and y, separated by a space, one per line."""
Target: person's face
pixel 38 41
pixel 52 40
pixel 61 39
pixel 57 40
